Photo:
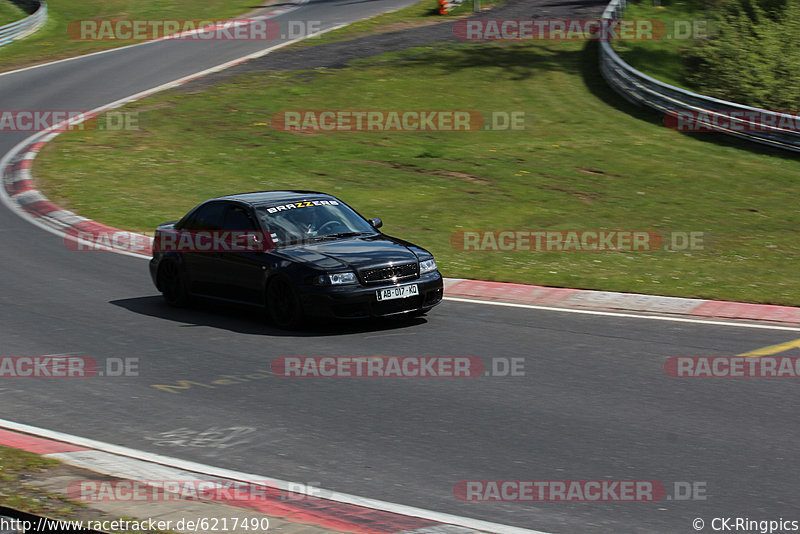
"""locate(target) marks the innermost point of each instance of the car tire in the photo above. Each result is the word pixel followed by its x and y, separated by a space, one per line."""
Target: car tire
pixel 283 305
pixel 173 284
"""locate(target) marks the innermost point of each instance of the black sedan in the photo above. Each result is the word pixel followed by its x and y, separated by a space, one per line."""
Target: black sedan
pixel 298 254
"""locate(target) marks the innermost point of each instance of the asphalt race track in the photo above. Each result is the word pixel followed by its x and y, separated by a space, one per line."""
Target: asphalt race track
pixel 594 403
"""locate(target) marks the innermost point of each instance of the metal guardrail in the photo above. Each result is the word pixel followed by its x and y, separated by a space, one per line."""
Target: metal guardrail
pixel 754 124
pixel 24 27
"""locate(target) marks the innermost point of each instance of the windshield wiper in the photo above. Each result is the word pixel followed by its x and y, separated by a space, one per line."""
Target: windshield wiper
pixel 341 234
pixel 323 237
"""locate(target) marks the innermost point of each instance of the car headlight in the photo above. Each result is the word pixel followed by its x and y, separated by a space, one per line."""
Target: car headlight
pixel 335 279
pixel 427 266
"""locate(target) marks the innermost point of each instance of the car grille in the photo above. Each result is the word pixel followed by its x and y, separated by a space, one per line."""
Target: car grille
pixel 390 274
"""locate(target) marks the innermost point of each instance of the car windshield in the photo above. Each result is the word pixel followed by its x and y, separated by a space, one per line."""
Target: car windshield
pixel 310 220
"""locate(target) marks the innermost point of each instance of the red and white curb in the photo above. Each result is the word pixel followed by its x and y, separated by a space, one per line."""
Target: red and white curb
pixel 609 300
pixel 336 511
pixel 19 192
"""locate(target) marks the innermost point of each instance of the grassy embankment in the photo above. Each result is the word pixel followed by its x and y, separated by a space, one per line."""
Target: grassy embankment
pixel 586 160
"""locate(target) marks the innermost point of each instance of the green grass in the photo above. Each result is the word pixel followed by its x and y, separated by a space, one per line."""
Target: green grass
pixel 10 12
pixel 420 14
pixel 52 41
pixel 14 465
pixel 663 58
pixel 586 160
pixel 16 492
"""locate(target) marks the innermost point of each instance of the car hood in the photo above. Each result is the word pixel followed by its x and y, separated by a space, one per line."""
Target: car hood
pixel 353 252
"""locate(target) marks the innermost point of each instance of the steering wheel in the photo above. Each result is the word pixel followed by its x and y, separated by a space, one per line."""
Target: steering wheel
pixel 332 224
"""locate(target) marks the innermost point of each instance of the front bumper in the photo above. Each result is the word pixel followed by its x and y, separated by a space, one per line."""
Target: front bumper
pixel 360 301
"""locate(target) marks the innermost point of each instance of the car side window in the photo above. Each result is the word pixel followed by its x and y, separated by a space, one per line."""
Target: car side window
pixel 237 218
pixel 207 218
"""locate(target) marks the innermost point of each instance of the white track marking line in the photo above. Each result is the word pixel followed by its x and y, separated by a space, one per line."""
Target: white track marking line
pixel 204 469
pixel 625 315
pixel 31 67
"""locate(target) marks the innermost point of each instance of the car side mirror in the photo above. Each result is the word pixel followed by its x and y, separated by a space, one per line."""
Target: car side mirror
pixel 375 222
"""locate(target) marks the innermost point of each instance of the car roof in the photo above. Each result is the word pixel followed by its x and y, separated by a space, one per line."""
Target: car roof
pixel 262 198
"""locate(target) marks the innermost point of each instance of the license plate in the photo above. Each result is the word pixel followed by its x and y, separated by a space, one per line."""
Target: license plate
pixel 398 292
